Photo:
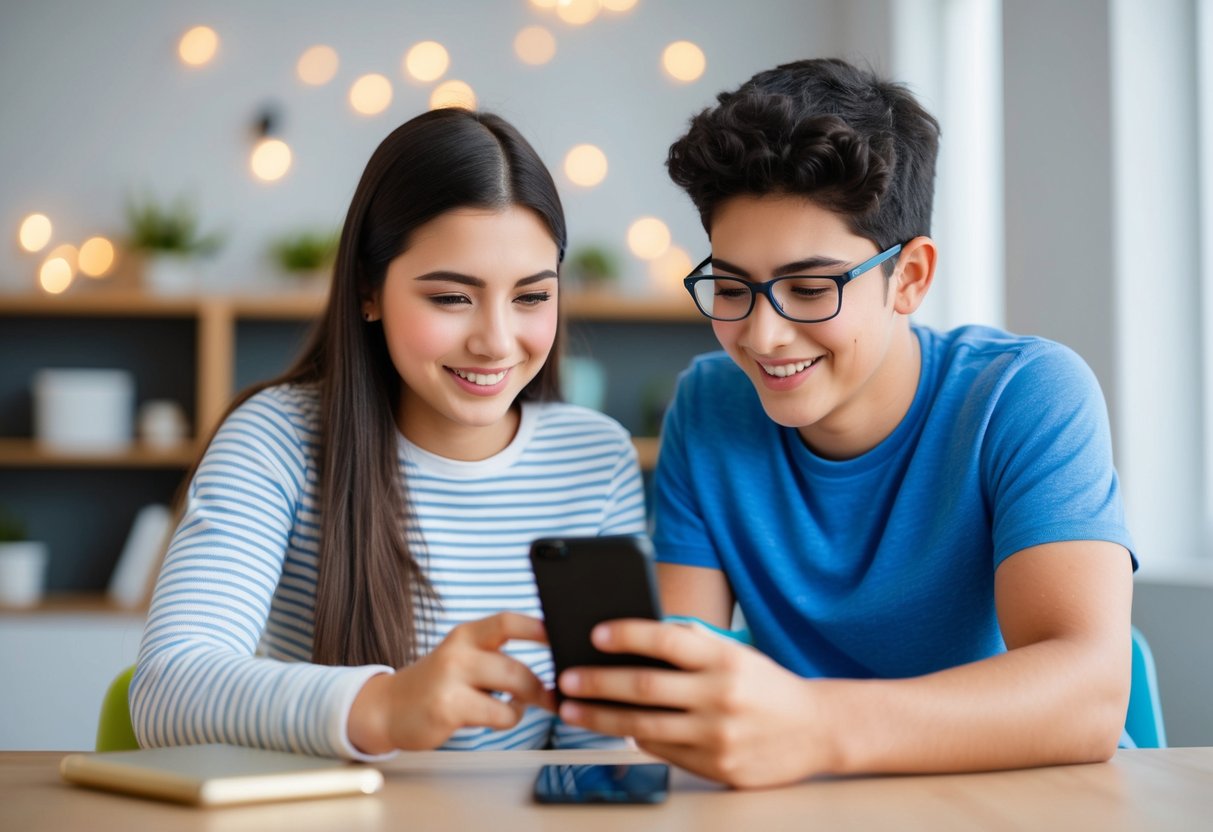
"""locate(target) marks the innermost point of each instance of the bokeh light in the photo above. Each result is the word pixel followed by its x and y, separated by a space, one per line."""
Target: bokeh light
pixel 35 232
pixel 58 269
pixel 683 60
pixel 618 5
pixel 427 61
pixel 371 94
pixel 453 94
pixel 578 12
pixel 585 165
pixel 96 257
pixel 198 46
pixel 535 45
pixel 270 160
pixel 317 65
pixel 667 270
pixel 544 4
pixel 648 238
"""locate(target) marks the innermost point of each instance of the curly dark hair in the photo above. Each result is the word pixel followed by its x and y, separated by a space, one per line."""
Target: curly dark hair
pixel 851 142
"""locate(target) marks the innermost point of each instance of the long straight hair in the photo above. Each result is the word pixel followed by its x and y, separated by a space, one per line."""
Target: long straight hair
pixel 370 590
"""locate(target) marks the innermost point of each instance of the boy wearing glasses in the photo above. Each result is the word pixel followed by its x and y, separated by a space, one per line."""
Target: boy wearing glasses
pixel 922 529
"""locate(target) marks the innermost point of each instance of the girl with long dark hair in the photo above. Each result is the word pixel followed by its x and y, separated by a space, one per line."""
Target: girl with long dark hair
pixel 350 573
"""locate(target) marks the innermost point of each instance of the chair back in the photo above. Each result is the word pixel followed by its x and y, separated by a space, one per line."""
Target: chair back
pixel 1143 722
pixel 114 729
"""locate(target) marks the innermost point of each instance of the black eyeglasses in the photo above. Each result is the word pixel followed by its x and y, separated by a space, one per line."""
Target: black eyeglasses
pixel 805 299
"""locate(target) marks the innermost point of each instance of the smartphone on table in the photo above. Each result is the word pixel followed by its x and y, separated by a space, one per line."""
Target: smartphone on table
pixel 582 582
pixel 642 783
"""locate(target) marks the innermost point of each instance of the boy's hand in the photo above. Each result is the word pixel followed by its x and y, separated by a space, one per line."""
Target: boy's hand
pixel 742 719
pixel 420 706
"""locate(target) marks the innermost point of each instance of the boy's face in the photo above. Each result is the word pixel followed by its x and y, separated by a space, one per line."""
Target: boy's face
pixel 844 383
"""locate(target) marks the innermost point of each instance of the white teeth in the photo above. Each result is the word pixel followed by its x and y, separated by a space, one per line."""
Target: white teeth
pixel 480 378
pixel 785 370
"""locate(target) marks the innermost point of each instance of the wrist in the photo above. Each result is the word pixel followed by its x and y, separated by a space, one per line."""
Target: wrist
pixel 835 734
pixel 367 726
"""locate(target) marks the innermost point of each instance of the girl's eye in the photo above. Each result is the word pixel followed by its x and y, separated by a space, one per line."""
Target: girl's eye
pixel 448 300
pixel 534 298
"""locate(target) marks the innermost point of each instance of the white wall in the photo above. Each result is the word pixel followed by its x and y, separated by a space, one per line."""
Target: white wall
pixel 95 105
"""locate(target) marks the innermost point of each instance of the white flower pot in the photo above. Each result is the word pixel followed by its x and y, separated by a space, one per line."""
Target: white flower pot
pixel 22 572
pixel 170 274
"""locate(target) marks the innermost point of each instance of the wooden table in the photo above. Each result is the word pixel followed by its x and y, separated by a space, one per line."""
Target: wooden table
pixel 489 791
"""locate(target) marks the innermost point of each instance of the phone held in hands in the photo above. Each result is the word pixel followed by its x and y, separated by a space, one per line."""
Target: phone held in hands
pixel 643 783
pixel 584 581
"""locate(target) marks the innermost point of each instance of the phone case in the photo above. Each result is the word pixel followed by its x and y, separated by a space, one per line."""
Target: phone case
pixel 583 581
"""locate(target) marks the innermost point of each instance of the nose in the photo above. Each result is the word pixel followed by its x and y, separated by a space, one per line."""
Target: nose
pixel 492 333
pixel 765 330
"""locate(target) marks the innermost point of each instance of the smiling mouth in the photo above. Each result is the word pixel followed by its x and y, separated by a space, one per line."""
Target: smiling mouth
pixel 785 370
pixel 480 379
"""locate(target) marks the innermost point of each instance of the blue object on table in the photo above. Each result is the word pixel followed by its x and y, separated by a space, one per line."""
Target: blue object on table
pixel 1143 722
pixel 742 636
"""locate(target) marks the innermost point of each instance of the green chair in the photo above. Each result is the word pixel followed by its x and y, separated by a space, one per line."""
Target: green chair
pixel 114 731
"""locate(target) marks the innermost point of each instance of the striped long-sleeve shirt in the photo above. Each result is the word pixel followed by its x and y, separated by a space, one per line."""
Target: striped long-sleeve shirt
pixel 226 652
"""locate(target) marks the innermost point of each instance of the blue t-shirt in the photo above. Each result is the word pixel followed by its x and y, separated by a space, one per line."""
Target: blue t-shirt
pixel 882 566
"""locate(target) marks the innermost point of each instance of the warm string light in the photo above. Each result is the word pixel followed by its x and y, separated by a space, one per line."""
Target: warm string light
pixel 585 165
pixel 578 12
pixel 96 257
pixel 35 232
pixel 667 270
pixel 683 61
pixel 427 61
pixel 648 238
pixel 453 94
pixel 198 46
pixel 271 159
pixel 535 45
pixel 371 94
pixel 317 65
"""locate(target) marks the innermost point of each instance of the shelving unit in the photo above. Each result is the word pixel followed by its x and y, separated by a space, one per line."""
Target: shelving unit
pixel 200 351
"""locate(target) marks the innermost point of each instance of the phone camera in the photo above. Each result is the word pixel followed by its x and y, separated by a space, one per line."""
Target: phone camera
pixel 554 550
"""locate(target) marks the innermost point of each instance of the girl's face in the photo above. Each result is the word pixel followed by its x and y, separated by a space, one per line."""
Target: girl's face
pixel 469 315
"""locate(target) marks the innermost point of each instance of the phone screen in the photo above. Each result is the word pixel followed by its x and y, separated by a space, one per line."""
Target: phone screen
pixel 645 783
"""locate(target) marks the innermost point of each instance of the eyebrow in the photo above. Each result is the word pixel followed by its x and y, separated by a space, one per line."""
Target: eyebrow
pixel 817 262
pixel 468 280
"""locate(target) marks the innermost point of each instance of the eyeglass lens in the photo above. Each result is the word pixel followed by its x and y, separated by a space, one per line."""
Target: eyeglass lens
pixel 801 298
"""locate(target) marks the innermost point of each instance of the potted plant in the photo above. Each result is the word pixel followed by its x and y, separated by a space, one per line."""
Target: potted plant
pixel 307 256
pixel 593 267
pixel 22 564
pixel 167 238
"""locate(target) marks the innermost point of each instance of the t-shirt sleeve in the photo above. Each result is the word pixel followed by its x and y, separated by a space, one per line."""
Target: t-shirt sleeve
pixel 1047 459
pixel 680 535
pixel 198 679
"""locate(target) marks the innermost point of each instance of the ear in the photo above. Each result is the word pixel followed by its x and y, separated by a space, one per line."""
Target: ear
pixel 915 271
pixel 370 308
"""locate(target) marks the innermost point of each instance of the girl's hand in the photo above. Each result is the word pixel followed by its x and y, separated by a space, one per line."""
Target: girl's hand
pixel 420 706
pixel 741 719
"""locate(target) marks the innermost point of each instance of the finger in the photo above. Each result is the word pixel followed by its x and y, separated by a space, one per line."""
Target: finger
pixel 483 710
pixel 492 632
pixel 645 725
pixel 643 686
pixel 494 671
pixel 682 646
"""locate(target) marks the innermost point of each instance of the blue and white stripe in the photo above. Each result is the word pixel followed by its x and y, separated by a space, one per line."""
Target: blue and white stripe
pixel 227 647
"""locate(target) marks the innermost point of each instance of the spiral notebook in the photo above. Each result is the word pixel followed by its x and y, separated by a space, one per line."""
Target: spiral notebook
pixel 219 775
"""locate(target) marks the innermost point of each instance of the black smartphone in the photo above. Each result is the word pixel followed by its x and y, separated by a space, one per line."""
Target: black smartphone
pixel 644 783
pixel 583 581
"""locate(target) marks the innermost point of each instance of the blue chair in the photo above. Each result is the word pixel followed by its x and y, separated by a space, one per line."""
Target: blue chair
pixel 1143 722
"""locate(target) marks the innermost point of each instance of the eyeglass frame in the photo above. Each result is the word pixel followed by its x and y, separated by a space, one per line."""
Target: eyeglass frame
pixel 765 288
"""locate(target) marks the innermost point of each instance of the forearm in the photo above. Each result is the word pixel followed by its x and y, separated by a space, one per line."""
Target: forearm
pixel 1053 702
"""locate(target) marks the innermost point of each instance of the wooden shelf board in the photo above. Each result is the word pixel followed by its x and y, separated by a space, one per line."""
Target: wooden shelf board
pixel 29 453
pixel 73 603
